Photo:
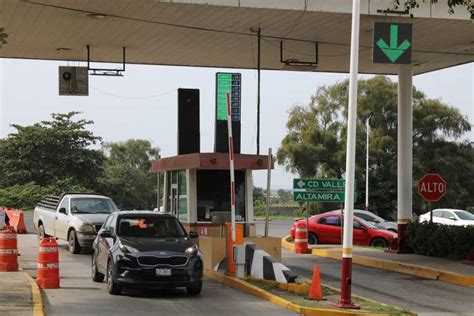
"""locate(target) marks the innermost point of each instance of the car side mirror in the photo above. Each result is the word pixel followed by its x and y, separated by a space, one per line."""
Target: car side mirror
pixel 62 210
pixel 453 218
pixel 193 235
pixel 106 234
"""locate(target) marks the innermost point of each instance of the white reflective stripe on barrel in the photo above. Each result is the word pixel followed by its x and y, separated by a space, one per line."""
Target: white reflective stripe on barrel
pixel 301 240
pixel 48 266
pixel 48 249
pixel 8 251
pixel 301 229
pixel 7 236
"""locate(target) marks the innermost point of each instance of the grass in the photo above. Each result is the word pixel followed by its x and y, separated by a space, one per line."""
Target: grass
pixel 330 295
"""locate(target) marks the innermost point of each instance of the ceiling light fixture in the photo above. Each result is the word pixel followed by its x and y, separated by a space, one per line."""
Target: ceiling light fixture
pixel 97 16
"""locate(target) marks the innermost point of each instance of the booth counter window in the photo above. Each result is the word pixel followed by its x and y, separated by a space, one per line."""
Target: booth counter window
pixel 213 193
pixel 177 194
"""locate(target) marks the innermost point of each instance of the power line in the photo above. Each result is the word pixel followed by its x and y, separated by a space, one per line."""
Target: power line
pixel 133 98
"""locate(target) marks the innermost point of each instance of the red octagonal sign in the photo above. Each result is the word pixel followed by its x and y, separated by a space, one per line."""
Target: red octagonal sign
pixel 432 187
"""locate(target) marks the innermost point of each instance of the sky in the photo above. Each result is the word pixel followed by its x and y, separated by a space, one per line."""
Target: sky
pixel 143 103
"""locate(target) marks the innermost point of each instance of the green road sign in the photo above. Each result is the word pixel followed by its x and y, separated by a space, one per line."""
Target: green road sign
pixel 324 196
pixel 319 184
pixel 392 43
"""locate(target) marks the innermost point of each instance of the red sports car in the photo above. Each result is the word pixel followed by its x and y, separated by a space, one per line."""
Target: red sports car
pixel 326 229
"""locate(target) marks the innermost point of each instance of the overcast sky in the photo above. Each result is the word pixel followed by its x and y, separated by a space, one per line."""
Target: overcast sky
pixel 142 104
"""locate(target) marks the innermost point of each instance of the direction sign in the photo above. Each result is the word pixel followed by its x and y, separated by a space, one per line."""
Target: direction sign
pixel 392 43
pixel 323 196
pixel 319 184
pixel 432 187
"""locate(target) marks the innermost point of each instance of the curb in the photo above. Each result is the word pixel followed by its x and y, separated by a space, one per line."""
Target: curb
pixel 245 287
pixel 405 268
pixel 38 307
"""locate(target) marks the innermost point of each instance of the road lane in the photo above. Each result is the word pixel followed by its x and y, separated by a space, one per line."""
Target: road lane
pixel 78 295
pixel 427 297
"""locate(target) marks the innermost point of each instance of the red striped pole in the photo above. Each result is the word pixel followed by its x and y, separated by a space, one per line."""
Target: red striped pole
pixel 231 165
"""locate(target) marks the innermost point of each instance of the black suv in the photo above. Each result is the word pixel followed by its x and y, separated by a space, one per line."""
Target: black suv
pixel 146 249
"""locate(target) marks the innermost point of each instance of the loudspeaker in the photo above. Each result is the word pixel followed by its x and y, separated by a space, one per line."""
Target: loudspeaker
pixel 188 121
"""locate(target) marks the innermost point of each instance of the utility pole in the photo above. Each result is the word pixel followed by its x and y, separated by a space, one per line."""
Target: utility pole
pixel 367 130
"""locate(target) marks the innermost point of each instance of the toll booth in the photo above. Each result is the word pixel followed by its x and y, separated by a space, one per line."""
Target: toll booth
pixel 196 190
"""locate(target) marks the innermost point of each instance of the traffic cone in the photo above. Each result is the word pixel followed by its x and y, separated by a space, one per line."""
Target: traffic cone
pixel 315 292
pixel 47 274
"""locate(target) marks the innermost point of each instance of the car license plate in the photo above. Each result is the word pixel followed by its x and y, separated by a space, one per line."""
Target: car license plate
pixel 163 272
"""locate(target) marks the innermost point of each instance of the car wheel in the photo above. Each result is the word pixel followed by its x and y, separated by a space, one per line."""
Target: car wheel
pixel 74 246
pixel 195 288
pixel 312 239
pixel 112 286
pixel 41 232
pixel 96 275
pixel 379 242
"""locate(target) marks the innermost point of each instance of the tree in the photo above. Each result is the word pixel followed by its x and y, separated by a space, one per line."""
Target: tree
pixel 452 4
pixel 315 143
pixel 127 174
pixel 51 151
pixel 284 196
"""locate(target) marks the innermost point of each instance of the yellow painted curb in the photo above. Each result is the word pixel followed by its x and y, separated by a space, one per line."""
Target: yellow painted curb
pixel 256 291
pixel 405 268
pixel 285 243
pixel 38 307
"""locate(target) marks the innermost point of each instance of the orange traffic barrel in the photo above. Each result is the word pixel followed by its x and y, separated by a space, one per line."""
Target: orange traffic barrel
pixel 8 249
pixel 47 274
pixel 301 238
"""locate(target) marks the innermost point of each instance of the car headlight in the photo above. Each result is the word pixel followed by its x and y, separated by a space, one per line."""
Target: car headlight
pixel 126 249
pixel 191 250
pixel 87 228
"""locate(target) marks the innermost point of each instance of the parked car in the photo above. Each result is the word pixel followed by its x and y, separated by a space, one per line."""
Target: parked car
pixel 74 217
pixel 376 220
pixel 146 249
pixel 449 216
pixel 326 229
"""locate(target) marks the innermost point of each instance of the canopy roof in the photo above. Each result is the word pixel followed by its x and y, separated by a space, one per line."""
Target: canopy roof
pixel 216 33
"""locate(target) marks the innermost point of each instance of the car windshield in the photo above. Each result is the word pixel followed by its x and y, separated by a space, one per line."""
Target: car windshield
pixel 92 205
pixel 464 215
pixel 150 227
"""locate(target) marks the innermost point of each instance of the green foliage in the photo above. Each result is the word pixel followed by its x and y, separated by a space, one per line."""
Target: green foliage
pixel 51 151
pixel 315 144
pixel 26 196
pixel 409 5
pixel 445 241
pixel 127 175
pixel 3 37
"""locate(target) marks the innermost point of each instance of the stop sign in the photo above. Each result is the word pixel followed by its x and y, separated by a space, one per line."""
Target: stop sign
pixel 432 187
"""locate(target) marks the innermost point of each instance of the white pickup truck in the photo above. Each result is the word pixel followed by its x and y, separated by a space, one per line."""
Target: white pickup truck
pixel 74 217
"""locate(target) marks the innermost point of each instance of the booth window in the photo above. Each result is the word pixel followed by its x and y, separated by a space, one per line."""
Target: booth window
pixel 177 194
pixel 213 193
pixel 183 196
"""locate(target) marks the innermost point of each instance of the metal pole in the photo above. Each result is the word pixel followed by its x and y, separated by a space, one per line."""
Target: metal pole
pixel 231 167
pixel 346 278
pixel 367 130
pixel 158 199
pixel 431 212
pixel 404 153
pixel 269 178
pixel 258 89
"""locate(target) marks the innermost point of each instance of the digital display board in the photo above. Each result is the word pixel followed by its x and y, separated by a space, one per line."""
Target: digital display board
pixel 228 83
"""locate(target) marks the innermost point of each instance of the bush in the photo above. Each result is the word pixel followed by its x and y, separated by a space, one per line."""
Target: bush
pixel 26 196
pixel 437 240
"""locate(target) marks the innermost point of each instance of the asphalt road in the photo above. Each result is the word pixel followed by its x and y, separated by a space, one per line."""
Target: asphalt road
pixel 275 228
pixel 78 295
pixel 427 297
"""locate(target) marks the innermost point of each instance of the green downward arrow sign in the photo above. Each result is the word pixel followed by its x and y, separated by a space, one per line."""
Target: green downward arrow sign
pixel 394 51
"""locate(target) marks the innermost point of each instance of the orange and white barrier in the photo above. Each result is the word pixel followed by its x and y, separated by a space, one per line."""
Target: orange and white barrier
pixel 301 238
pixel 17 219
pixel 8 249
pixel 47 274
